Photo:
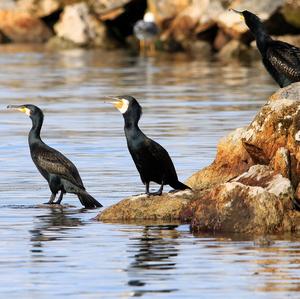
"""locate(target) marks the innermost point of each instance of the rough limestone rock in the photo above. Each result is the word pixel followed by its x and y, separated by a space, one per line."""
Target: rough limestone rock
pixel 278 123
pixel 232 23
pixel 169 206
pixel 107 9
pixel 165 10
pixel 254 202
pixel 21 26
pixel 39 8
pixel 231 160
pixel 7 4
pixel 196 19
pixel 291 12
pixel 252 186
pixel 77 25
pixel 235 49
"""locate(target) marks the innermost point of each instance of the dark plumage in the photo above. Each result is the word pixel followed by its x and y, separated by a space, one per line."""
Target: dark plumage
pixel 151 159
pixel 60 173
pixel 282 60
pixel 145 30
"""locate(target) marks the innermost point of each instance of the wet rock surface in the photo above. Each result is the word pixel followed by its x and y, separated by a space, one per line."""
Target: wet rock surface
pixel 251 186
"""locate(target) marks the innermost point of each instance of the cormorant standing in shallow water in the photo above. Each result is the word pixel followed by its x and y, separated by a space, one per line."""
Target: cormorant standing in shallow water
pixel 281 59
pixel 61 174
pixel 151 159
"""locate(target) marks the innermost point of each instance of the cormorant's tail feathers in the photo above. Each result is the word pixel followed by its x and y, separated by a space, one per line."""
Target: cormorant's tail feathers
pixel 180 186
pixel 88 201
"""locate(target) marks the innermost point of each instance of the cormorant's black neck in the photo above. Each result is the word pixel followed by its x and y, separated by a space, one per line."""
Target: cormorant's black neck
pixel 131 128
pixel 132 117
pixel 34 134
pixel 131 124
pixel 260 34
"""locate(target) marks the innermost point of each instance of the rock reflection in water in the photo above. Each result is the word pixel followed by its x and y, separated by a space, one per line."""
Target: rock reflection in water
pixel 154 254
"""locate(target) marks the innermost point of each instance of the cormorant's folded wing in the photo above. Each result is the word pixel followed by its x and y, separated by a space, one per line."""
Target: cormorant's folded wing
pixel 161 155
pixel 285 58
pixel 54 162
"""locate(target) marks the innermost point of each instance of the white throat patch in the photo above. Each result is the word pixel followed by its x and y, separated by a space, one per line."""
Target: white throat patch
pixel 124 107
pixel 27 111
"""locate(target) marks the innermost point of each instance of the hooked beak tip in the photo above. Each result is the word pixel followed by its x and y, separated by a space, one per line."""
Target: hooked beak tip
pixel 236 11
pixel 11 107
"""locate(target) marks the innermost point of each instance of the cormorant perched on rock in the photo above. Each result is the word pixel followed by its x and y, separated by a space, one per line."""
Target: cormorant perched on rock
pixel 151 159
pixel 146 31
pixel 61 174
pixel 282 60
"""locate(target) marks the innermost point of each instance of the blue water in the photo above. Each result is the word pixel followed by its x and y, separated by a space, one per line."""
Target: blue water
pixel 188 106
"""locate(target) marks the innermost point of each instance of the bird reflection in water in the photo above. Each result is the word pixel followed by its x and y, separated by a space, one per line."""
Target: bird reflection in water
pixel 154 254
pixel 53 226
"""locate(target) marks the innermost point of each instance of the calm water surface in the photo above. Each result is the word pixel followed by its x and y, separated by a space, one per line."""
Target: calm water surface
pixel 188 106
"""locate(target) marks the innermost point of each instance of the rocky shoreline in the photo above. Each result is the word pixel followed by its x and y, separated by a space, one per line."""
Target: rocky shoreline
pixel 252 186
pixel 200 27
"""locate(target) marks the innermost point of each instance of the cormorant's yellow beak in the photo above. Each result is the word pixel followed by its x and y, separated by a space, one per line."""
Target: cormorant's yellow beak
pixel 120 104
pixel 238 12
pixel 19 108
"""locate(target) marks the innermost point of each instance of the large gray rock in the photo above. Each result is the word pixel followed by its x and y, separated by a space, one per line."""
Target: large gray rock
pixel 78 25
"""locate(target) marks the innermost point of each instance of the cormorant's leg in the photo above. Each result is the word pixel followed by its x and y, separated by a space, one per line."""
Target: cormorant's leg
pixel 158 192
pixel 61 195
pixel 52 198
pixel 147 188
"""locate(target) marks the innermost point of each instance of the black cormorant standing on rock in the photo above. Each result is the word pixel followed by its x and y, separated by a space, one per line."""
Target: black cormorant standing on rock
pixel 61 174
pixel 151 159
pixel 282 60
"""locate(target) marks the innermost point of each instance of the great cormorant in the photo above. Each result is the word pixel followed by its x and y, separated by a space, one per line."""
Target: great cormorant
pixel 151 159
pixel 146 31
pixel 282 60
pixel 61 174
